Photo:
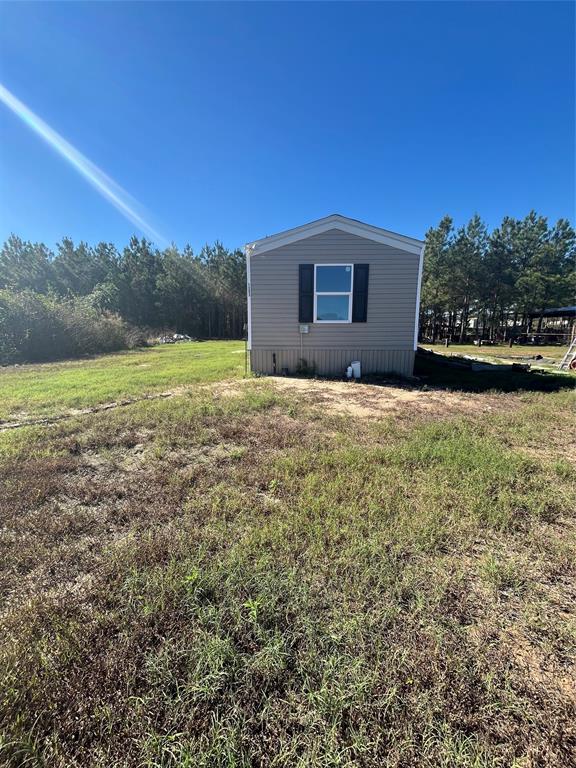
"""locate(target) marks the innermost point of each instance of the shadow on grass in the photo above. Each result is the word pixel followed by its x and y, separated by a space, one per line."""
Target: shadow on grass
pixel 455 374
pixel 436 373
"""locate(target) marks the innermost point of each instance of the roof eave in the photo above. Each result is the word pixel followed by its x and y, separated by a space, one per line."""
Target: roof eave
pixel 336 221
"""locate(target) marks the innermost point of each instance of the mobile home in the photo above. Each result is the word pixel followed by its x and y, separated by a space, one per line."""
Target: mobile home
pixel 331 292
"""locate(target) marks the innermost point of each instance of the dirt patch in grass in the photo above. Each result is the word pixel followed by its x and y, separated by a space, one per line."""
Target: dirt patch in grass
pixel 374 401
pixel 540 666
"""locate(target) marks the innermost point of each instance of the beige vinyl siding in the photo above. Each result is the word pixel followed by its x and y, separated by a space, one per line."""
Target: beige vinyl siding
pixel 334 361
pixel 392 291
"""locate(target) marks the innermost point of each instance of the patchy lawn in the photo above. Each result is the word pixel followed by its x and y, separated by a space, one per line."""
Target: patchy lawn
pixel 31 391
pixel 256 574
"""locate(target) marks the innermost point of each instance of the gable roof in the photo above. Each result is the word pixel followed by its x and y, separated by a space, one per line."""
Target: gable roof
pixel 343 223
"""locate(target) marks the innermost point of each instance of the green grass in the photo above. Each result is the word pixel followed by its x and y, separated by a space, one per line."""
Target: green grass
pixel 40 390
pixel 253 580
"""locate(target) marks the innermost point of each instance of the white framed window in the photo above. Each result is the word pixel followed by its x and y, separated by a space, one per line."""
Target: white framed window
pixel 333 284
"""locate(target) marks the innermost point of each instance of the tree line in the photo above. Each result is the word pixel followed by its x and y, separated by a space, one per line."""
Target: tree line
pixel 488 285
pixel 202 295
pixel 80 299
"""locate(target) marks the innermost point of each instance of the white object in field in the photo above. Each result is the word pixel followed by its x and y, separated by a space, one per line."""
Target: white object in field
pixel 349 372
pixel 355 368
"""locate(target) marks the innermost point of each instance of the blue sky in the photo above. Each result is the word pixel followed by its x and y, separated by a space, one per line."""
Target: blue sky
pixel 233 121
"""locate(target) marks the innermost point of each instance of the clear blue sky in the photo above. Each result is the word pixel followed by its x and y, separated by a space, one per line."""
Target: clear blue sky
pixel 233 121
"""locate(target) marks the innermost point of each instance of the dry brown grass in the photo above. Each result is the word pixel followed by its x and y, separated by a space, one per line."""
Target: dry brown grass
pixel 256 576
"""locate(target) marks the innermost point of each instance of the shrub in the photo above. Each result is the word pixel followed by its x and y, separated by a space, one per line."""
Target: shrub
pixel 304 368
pixel 39 328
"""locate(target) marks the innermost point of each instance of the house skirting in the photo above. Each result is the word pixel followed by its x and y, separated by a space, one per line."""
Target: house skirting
pixel 333 361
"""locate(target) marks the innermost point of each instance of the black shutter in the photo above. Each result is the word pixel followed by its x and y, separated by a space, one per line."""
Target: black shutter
pixel 306 294
pixel 360 293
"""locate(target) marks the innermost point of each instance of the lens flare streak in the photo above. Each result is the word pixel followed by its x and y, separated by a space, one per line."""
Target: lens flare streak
pixel 107 187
